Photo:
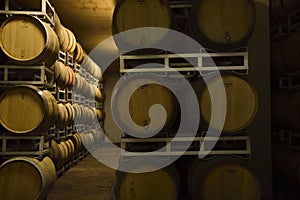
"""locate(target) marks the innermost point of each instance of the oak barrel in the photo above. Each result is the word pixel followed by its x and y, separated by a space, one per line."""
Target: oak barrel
pixel 25 109
pixel 63 116
pixel 242 102
pixel 131 14
pixel 27 40
pixel 222 25
pixel 222 178
pixel 25 178
pixel 140 102
pixel 162 184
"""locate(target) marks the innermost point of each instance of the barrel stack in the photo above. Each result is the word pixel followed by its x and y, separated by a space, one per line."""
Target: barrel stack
pixel 285 70
pixel 222 28
pixel 51 101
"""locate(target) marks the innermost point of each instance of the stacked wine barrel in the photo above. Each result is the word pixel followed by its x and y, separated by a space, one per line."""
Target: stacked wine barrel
pixel 68 114
pixel 218 26
pixel 285 70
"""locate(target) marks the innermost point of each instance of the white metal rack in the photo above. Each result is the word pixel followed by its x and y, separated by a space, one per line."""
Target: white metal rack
pixel 14 75
pixel 170 63
pixel 45 13
pixel 241 145
pixel 38 149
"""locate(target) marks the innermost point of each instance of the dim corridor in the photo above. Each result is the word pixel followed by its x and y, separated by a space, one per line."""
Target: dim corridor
pixel 89 180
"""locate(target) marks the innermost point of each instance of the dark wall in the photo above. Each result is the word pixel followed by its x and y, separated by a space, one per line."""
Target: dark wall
pixel 259 76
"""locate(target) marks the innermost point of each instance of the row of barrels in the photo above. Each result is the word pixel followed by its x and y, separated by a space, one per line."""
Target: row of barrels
pixel 86 89
pixel 242 103
pixel 86 115
pixel 27 178
pixel 228 28
pixel 69 44
pixel 25 109
pixel 64 76
pixel 26 40
pixel 63 152
pixel 219 178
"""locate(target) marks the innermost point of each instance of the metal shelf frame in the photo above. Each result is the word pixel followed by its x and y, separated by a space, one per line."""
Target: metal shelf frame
pixel 6 150
pixel 46 12
pixel 43 76
pixel 186 67
pixel 201 141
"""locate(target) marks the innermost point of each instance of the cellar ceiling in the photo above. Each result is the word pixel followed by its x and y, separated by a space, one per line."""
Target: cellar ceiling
pixel 90 20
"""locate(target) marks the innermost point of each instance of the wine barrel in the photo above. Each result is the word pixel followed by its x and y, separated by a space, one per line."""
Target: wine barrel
pixel 242 102
pixel 91 67
pixel 55 111
pixel 99 114
pixel 63 78
pixel 99 96
pixel 26 40
pixel 79 83
pixel 72 41
pixel 77 113
pixel 63 155
pixel 285 109
pixel 70 147
pixel 162 184
pixel 222 25
pixel 285 53
pixel 70 110
pixel 63 116
pixel 222 178
pixel 142 99
pixel 130 14
pixel 98 134
pixel 24 178
pixel 76 141
pixel 78 53
pixel 71 81
pixel 54 151
pixel 37 113
pixel 56 68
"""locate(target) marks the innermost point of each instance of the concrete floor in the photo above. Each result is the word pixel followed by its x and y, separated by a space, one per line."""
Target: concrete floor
pixel 89 180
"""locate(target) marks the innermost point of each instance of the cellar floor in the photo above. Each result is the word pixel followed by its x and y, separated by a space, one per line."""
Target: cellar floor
pixel 89 180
